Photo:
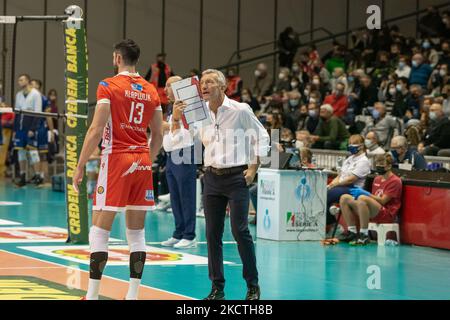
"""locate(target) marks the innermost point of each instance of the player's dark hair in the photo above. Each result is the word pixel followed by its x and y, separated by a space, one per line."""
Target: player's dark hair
pixel 129 51
pixel 24 75
pixel 39 82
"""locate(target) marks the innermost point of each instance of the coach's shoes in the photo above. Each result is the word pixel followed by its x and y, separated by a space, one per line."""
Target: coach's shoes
pixel 215 294
pixel 170 242
pixel 22 180
pixel 362 240
pixel 38 181
pixel 186 244
pixel 253 293
pixel 348 237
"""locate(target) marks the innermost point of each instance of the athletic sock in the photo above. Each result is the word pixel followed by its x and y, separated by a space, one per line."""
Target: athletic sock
pixel 133 289
pixel 364 231
pixel 93 289
pixel 352 229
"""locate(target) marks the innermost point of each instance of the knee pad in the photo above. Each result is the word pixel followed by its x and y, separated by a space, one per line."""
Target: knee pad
pixel 22 154
pixel 98 239
pixel 34 156
pixel 136 240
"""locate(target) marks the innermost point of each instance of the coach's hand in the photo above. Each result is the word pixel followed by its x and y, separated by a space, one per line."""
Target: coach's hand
pixel 249 175
pixel 77 178
pixel 178 108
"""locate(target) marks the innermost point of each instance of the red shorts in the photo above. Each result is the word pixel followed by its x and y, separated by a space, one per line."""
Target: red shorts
pixel 124 182
pixel 383 216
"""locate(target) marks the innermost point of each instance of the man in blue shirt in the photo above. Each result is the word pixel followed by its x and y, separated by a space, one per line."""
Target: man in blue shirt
pixel 401 153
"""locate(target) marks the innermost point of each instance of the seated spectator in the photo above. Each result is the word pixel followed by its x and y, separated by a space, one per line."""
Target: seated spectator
pixel 380 206
pixel 353 174
pixel 384 125
pixel 403 69
pixel 382 67
pixel 283 83
pixel 401 153
pixel 372 145
pixel 429 53
pixel 366 97
pixel 439 79
pixel 262 83
pixel 438 133
pixel 338 77
pixel 234 85
pixel 313 117
pixel 388 95
pixel 302 139
pixel 248 98
pixel 306 158
pixel 413 102
pixel 401 99
pixel 338 100
pixel 444 57
pixel 420 72
pixel 331 132
pixel 300 117
pixel 414 133
pixel 293 101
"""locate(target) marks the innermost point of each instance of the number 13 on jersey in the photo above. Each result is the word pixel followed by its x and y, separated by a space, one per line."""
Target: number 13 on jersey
pixel 136 112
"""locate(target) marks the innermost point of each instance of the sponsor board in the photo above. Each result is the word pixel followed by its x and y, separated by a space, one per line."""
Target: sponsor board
pixel 119 255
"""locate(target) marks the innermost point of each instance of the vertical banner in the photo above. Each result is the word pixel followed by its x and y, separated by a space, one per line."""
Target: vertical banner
pixel 76 127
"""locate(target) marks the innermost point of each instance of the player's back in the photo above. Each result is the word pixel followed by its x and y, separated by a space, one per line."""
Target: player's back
pixel 133 102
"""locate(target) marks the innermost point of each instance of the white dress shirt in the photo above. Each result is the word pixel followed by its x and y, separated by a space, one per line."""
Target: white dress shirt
pixel 233 139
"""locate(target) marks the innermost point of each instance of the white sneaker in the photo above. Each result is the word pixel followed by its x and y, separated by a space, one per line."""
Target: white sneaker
pixel 162 206
pixel 200 213
pixel 164 198
pixel 170 242
pixel 185 244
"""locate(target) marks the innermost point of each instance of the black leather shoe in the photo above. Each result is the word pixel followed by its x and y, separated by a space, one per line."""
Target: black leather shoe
pixel 215 294
pixel 253 293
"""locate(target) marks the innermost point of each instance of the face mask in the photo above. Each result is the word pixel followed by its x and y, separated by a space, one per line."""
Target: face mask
pixel 380 170
pixel 353 149
pixel 316 82
pixel 312 100
pixel 392 91
pixel 442 72
pixel 294 85
pixel 306 92
pixel 398 87
pixel 245 97
pixel 426 45
pixel 401 65
pixel 295 68
pixel 350 79
pixel 415 64
pixel 433 116
pixel 312 113
pixel 281 76
pixel 257 73
pixel 368 143
pixel 299 144
pixel 293 102
pixel 376 114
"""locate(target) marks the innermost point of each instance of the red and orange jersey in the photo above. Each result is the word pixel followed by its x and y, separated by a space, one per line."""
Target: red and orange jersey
pixel 133 102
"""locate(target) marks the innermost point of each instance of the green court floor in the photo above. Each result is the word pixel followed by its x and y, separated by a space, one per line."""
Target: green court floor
pixel 287 270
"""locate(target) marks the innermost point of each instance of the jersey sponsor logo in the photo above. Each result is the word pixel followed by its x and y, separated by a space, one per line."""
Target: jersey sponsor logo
pixel 103 83
pixel 107 134
pixel 149 195
pixel 134 128
pixel 100 190
pixel 136 87
pixel 136 167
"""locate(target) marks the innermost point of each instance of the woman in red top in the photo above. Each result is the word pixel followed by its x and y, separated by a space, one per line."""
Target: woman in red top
pixel 380 206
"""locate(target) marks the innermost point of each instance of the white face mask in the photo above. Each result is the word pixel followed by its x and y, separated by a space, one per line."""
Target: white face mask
pixel 294 84
pixel 281 76
pixel 368 143
pixel 316 82
pixel 443 72
pixel 299 144
pixel 257 73
pixel 392 91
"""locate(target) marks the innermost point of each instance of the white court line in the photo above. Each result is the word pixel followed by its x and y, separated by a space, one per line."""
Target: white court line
pixel 78 269
pixel 199 242
pixel 20 268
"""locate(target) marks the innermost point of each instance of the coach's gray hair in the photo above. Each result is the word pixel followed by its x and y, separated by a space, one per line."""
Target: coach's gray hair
pixel 220 76
pixel 327 107
pixel 401 141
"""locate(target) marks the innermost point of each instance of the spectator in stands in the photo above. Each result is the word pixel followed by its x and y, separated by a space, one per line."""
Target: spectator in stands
pixel 380 206
pixel 414 102
pixel 372 145
pixel 338 100
pixel 444 57
pixel 384 125
pixel 284 83
pixel 247 97
pixel 420 71
pixel 382 67
pixel 288 43
pixel 401 153
pixel 306 158
pixel 313 119
pixel 431 24
pixel 439 78
pixel 331 132
pixel 388 95
pixel 324 76
pixel 353 174
pixel 262 84
pixel 429 53
pixel 438 133
pixel 157 74
pixel 302 139
pixel 338 77
pixel 300 117
pixel 403 69
pixel 234 85
pixel 367 96
pixel 293 101
pixel 336 60
pixel 401 99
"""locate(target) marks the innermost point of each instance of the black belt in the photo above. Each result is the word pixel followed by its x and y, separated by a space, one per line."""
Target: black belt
pixel 226 171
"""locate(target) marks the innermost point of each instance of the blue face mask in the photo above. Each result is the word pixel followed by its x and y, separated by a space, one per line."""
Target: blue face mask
pixel 375 114
pixel 350 79
pixel 312 113
pixel 353 149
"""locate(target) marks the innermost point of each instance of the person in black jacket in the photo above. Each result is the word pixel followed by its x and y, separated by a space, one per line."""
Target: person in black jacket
pixel 438 133
pixel 288 43
pixel 366 97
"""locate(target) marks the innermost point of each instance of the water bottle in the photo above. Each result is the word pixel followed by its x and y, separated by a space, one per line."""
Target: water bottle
pixel 391 243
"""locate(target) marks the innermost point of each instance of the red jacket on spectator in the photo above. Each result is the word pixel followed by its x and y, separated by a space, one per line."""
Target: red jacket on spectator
pixel 339 104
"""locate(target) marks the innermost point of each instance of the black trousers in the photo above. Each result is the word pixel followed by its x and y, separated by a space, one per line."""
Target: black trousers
pixel 218 192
